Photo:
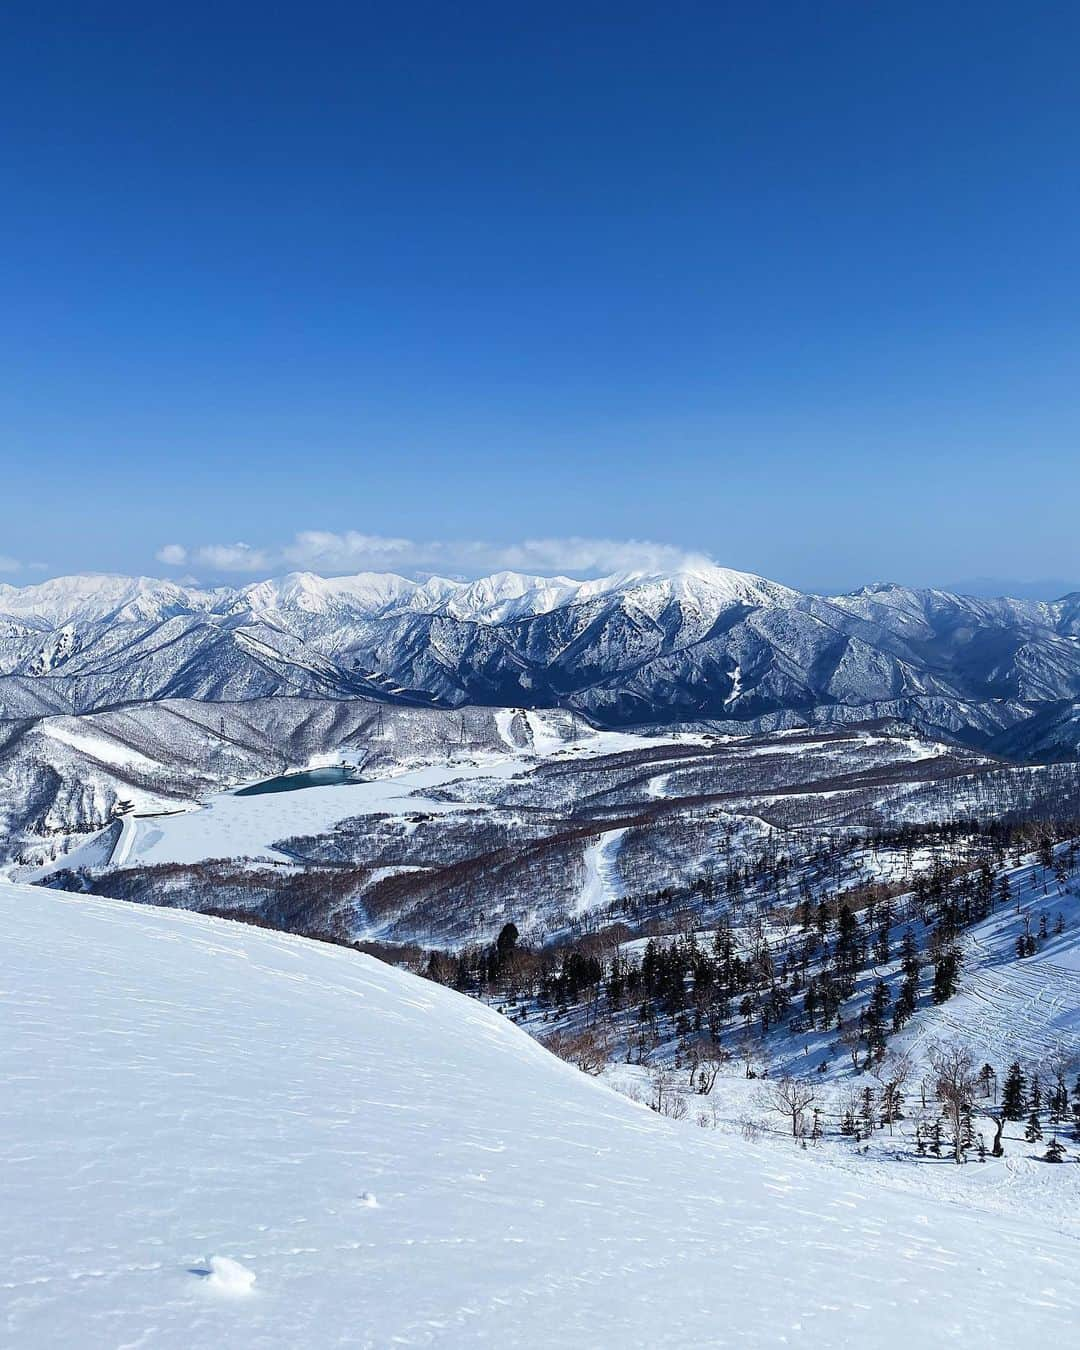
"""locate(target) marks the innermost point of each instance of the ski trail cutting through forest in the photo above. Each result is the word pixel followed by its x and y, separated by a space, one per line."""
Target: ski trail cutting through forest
pixel 603 885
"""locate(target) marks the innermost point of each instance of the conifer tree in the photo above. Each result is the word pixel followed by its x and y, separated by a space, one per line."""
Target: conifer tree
pixel 1058 1100
pixel 867 1110
pixel 875 1020
pixel 946 975
pixel 1013 1093
pixel 967 1128
pixel 1055 1151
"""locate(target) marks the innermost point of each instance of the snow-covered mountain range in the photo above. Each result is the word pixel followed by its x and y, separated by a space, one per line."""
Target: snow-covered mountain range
pixel 703 643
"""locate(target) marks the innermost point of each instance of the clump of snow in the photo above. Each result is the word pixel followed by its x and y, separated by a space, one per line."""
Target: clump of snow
pixel 229 1277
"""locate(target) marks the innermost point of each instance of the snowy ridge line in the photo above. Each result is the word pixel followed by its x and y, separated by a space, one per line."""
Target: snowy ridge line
pixel 702 643
pixel 493 599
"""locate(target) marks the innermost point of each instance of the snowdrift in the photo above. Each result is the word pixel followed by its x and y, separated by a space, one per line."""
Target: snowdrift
pixel 217 1135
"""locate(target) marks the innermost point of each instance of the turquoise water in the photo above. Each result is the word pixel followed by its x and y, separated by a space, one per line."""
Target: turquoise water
pixel 293 782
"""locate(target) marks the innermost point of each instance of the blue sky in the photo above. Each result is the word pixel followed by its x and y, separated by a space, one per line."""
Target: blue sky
pixel 794 286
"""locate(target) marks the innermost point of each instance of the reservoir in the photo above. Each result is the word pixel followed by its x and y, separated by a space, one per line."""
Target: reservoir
pixel 332 776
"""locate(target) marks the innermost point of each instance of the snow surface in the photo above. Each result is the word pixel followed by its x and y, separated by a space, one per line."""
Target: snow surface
pixel 187 1098
pixel 115 754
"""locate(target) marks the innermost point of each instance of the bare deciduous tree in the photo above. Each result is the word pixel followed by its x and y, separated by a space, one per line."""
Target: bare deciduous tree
pixel 892 1073
pixel 690 1055
pixel 750 1051
pixel 666 1100
pixel 955 1078
pixel 588 1049
pixel 851 1036
pixel 713 1058
pixel 790 1097
pixel 997 1115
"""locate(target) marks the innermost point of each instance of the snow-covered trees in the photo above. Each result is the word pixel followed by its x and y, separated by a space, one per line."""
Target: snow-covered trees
pixel 589 1048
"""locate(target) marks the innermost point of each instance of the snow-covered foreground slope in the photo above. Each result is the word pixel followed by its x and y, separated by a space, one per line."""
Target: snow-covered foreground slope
pixel 397 1165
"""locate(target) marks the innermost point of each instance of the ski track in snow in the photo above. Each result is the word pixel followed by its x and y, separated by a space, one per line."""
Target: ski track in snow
pixel 180 1089
pixel 1030 1006
pixel 602 884
pixel 101 748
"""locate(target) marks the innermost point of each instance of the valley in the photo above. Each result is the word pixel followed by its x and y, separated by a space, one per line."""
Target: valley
pixel 536 818
pixel 722 913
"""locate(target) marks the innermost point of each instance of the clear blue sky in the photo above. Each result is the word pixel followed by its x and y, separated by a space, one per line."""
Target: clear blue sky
pixel 791 285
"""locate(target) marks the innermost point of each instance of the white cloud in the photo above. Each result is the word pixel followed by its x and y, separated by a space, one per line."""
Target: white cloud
pixel 578 554
pixel 9 564
pixel 232 558
pixel 219 557
pixel 321 548
pixel 327 551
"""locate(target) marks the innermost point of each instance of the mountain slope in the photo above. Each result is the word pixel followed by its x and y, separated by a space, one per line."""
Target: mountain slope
pixel 395 1164
pixel 702 643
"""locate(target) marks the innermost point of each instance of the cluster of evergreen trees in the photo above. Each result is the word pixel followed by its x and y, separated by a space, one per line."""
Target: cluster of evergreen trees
pixel 1024 1098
